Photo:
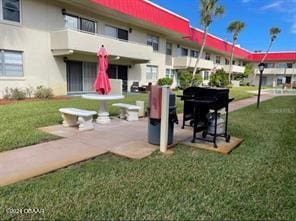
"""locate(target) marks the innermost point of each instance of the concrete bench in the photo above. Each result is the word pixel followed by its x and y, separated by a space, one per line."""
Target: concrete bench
pixel 128 111
pixel 77 117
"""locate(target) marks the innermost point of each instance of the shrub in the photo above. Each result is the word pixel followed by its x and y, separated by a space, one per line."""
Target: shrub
pixel 6 93
pixel 15 94
pixel 219 79
pixel 42 92
pixel 186 79
pixel 197 80
pixel 29 91
pixel 165 81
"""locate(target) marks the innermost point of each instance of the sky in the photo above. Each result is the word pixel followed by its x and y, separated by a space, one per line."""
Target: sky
pixel 258 15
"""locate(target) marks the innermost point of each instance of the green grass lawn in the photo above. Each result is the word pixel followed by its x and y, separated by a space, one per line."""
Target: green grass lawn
pixel 255 182
pixel 20 121
pixel 242 92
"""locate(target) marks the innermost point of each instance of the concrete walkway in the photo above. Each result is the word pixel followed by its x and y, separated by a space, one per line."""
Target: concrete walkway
pixel 127 139
pixel 235 105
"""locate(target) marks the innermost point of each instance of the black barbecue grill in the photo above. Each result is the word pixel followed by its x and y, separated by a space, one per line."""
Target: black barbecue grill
pixel 199 102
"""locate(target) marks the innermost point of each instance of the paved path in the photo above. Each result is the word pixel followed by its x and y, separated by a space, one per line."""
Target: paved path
pixel 249 101
pixel 127 139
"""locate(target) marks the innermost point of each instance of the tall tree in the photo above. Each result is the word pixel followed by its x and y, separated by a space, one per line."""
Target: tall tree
pixel 235 28
pixel 209 9
pixel 273 32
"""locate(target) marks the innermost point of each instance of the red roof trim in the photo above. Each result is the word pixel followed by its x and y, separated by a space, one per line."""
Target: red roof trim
pixel 146 11
pixel 218 44
pixel 274 56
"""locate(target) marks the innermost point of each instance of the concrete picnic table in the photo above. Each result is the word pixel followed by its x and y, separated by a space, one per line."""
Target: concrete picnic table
pixel 103 114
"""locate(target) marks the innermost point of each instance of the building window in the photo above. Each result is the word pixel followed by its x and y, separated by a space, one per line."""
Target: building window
pixel 233 62
pixel 171 73
pixel 87 25
pixel 289 65
pixel 10 10
pixel 270 65
pixel 281 65
pixel 169 48
pixel 208 56
pixel 194 54
pixel 206 75
pixel 227 61
pixel 184 52
pixel 218 59
pixel 72 22
pixel 153 41
pixel 81 24
pixel 116 32
pixel 11 63
pixel 152 73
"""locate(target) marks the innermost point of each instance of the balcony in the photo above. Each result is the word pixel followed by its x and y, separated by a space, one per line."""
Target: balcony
pixel 183 62
pixel 235 69
pixel 275 71
pixel 67 42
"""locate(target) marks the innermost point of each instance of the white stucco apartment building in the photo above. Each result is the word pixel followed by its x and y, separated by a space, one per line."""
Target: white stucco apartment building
pixel 54 43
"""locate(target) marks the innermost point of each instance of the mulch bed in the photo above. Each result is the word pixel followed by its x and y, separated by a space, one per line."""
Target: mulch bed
pixel 6 101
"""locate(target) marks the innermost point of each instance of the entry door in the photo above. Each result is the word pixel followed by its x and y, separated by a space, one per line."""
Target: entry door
pixel 74 76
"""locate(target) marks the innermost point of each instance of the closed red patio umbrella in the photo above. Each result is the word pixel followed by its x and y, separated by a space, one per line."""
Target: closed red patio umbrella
pixel 102 83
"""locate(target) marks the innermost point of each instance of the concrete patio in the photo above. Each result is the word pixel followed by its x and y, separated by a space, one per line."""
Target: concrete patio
pixel 126 139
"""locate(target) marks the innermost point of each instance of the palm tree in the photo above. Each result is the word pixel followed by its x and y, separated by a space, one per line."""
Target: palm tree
pixel 235 28
pixel 208 10
pixel 273 32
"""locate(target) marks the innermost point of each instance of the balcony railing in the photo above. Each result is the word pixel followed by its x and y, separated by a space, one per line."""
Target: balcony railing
pixel 69 41
pixel 183 62
pixel 235 68
pixel 288 71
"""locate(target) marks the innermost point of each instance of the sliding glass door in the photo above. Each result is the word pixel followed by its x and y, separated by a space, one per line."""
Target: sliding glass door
pixel 81 76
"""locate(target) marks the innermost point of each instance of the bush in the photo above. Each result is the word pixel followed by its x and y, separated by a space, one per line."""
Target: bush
pixel 15 94
pixel 186 79
pixel 6 93
pixel 42 92
pixel 197 80
pixel 29 91
pixel 219 79
pixel 165 81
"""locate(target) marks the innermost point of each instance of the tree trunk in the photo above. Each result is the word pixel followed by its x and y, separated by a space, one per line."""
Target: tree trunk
pixel 231 60
pixel 201 50
pixel 264 57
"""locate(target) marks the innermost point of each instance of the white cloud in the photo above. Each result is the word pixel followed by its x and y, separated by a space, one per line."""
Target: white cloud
pixel 275 5
pixel 285 7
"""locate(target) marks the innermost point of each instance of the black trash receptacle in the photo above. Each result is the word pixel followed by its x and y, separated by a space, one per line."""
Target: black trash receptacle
pixel 154 124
